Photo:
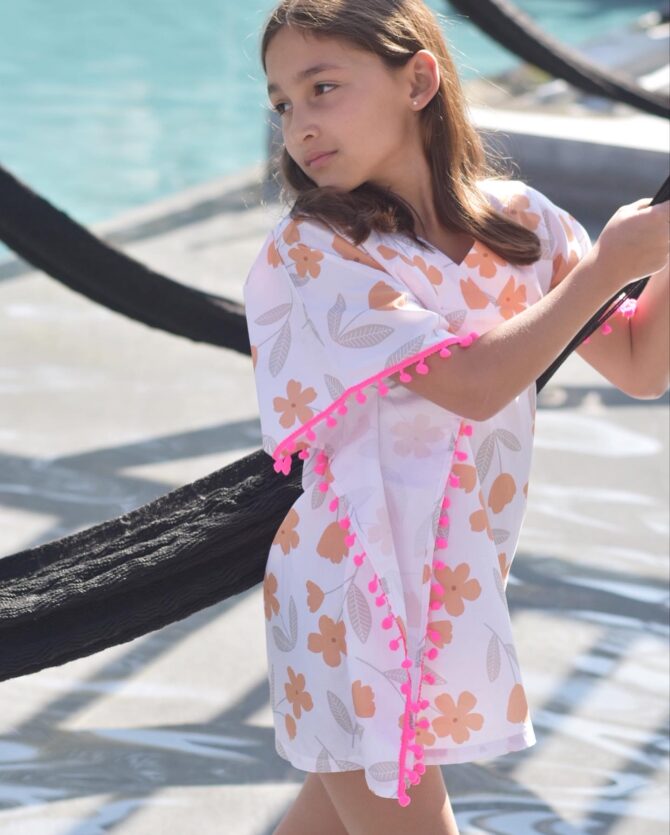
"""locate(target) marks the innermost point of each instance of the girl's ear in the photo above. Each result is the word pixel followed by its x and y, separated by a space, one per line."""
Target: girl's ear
pixel 423 74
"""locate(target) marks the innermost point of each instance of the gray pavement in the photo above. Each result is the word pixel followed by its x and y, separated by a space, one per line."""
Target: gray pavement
pixel 173 731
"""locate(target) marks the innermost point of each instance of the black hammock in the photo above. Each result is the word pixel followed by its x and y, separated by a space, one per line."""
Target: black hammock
pixel 208 540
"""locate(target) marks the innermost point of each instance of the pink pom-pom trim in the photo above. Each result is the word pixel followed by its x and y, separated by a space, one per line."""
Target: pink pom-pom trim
pixel 407 774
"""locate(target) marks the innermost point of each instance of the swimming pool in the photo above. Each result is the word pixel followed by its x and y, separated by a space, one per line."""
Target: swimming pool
pixel 109 106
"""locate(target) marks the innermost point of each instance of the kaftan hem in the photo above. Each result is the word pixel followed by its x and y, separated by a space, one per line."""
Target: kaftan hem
pixel 432 755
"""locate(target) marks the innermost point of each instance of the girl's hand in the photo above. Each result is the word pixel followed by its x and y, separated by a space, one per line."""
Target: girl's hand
pixel 634 243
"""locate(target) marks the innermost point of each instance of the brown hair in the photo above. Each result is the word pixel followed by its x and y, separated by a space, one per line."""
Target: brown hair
pixel 395 30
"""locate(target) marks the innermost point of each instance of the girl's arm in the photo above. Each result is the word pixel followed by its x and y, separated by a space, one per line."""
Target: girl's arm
pixel 480 380
pixel 650 366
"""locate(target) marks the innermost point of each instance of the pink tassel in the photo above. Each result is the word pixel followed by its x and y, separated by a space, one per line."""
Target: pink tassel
pixel 422 368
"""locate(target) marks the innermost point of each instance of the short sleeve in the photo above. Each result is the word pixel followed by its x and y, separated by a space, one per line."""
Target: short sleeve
pixel 328 324
pixel 565 243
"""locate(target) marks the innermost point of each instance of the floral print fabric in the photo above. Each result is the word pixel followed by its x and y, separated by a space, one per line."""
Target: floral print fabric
pixel 389 639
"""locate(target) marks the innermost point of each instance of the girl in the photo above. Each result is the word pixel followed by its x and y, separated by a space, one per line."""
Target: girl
pixel 399 316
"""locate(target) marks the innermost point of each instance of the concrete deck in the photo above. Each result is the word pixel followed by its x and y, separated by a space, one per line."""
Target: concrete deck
pixel 172 732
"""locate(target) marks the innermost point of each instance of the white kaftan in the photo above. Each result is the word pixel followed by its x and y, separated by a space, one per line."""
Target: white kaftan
pixel 389 638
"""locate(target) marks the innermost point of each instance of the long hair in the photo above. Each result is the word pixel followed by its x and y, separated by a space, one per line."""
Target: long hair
pixel 394 30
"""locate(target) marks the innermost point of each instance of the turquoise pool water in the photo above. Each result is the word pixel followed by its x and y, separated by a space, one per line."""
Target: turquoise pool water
pixel 106 106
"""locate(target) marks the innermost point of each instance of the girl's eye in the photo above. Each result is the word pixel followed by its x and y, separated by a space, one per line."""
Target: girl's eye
pixel 281 103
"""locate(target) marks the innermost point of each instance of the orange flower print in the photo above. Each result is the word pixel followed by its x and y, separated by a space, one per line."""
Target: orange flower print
pixel 382 532
pixel 415 436
pixel 291 232
pixel 287 537
pixel 426 572
pixel 467 476
pixel 306 260
pixel 485 260
pixel 479 520
pixel 518 210
pixel 383 297
pixel 291 727
pixel 565 219
pixel 502 491
pixel 457 720
pixel 504 568
pixel 444 630
pixel 511 300
pixel 431 272
pixel 517 704
pixel 561 267
pixel 387 252
pixel 423 735
pixel 330 640
pixel 352 253
pixel 296 694
pixel 254 356
pixel 363 697
pixel 456 586
pixel 273 256
pixel 331 545
pixel 269 600
pixel 315 596
pixel 475 298
pixel 294 405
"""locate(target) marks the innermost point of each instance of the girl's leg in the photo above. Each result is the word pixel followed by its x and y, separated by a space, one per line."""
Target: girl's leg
pixel 312 811
pixel 429 812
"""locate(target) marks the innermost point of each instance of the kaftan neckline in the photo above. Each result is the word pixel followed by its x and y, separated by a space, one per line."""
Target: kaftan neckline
pixel 439 252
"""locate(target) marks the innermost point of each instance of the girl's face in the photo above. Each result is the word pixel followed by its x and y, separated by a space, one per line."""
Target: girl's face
pixel 361 110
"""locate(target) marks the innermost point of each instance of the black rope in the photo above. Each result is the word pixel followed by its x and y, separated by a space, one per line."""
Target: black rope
pixel 509 26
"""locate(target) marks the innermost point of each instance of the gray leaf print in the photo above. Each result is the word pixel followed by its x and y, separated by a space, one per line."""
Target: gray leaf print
pixel 272 686
pixel 499 535
pixel 347 765
pixel 293 619
pixel 364 337
pixel 318 498
pixel 323 761
pixel 550 230
pixel 297 280
pixel 456 318
pixel 335 387
pixel 280 349
pixel 493 658
pixel 384 771
pixel 485 455
pixel 509 439
pixel 335 316
pixel 359 612
pixel 438 678
pixel 340 712
pixel 273 314
pixel 398 674
pixel 311 324
pixel 281 641
pixel 498 580
pixel 511 651
pixel 407 350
